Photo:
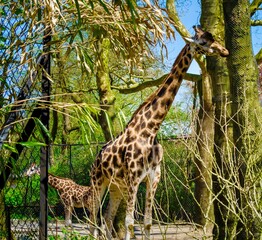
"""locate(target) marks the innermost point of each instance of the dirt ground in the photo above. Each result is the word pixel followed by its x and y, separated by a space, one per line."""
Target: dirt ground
pixel 56 230
pixel 172 232
pixel 158 232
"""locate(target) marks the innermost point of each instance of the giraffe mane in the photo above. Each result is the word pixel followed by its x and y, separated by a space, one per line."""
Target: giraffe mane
pixel 148 100
pixel 154 95
pixel 208 36
pixel 63 178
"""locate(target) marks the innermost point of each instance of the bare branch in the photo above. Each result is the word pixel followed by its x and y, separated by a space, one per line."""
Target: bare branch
pixel 254 6
pixel 259 57
pixel 172 13
pixel 153 83
pixel 256 22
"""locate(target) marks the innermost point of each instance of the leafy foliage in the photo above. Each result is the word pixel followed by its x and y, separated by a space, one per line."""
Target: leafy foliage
pixel 174 197
pixel 133 32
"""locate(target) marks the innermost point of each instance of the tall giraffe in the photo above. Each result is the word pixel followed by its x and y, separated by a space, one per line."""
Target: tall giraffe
pixel 71 194
pixel 134 156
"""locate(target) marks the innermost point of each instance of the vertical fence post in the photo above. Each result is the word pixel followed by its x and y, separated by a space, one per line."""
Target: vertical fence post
pixel 8 222
pixel 70 160
pixel 44 152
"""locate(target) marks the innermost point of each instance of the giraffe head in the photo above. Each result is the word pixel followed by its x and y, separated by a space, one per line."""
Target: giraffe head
pixel 206 44
pixel 34 169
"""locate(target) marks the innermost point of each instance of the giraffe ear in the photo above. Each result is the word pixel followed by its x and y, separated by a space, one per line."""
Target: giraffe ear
pixel 189 39
pixel 198 29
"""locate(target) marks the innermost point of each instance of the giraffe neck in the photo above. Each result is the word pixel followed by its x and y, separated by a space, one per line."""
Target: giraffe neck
pixel 55 182
pixel 148 117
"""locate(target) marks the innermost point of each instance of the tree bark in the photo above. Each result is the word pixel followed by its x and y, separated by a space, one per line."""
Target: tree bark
pixel 245 107
pixel 205 135
pixel 3 219
pixel 213 21
pixel 106 94
pixel 205 140
pixel 62 84
pixel 107 114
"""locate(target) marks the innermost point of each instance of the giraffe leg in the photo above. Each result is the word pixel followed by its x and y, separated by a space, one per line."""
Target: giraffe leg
pixel 68 215
pixel 115 197
pixel 151 186
pixel 129 220
pixel 97 196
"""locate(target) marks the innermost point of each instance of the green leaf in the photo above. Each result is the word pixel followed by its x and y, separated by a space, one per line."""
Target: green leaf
pixel 18 11
pixel 104 6
pixel 132 9
pixel 88 60
pixel 81 35
pixel 2 39
pixel 91 4
pixel 78 13
pixel 31 144
pixel 10 148
pixel 43 128
pixel 2 12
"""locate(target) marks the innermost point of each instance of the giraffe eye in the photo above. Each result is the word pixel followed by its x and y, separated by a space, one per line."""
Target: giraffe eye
pixel 203 43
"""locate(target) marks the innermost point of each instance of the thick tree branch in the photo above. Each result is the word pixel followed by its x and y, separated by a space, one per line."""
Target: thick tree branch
pixel 259 57
pixel 256 22
pixel 153 83
pixel 172 14
pixel 254 6
pixel 71 129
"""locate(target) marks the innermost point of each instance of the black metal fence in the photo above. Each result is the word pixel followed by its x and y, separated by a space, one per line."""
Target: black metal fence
pixel 23 83
pixel 22 194
pixel 25 227
pixel 22 222
pixel 173 200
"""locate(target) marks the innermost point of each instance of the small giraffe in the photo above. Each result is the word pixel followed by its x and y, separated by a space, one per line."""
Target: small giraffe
pixel 134 156
pixel 71 194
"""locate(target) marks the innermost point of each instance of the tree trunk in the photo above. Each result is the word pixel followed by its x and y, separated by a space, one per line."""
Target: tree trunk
pixel 107 115
pixel 62 85
pixel 106 94
pixel 205 131
pixel 205 136
pixel 3 230
pixel 212 20
pixel 216 75
pixel 245 108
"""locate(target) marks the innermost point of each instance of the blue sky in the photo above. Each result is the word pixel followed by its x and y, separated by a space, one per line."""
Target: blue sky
pixel 189 13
